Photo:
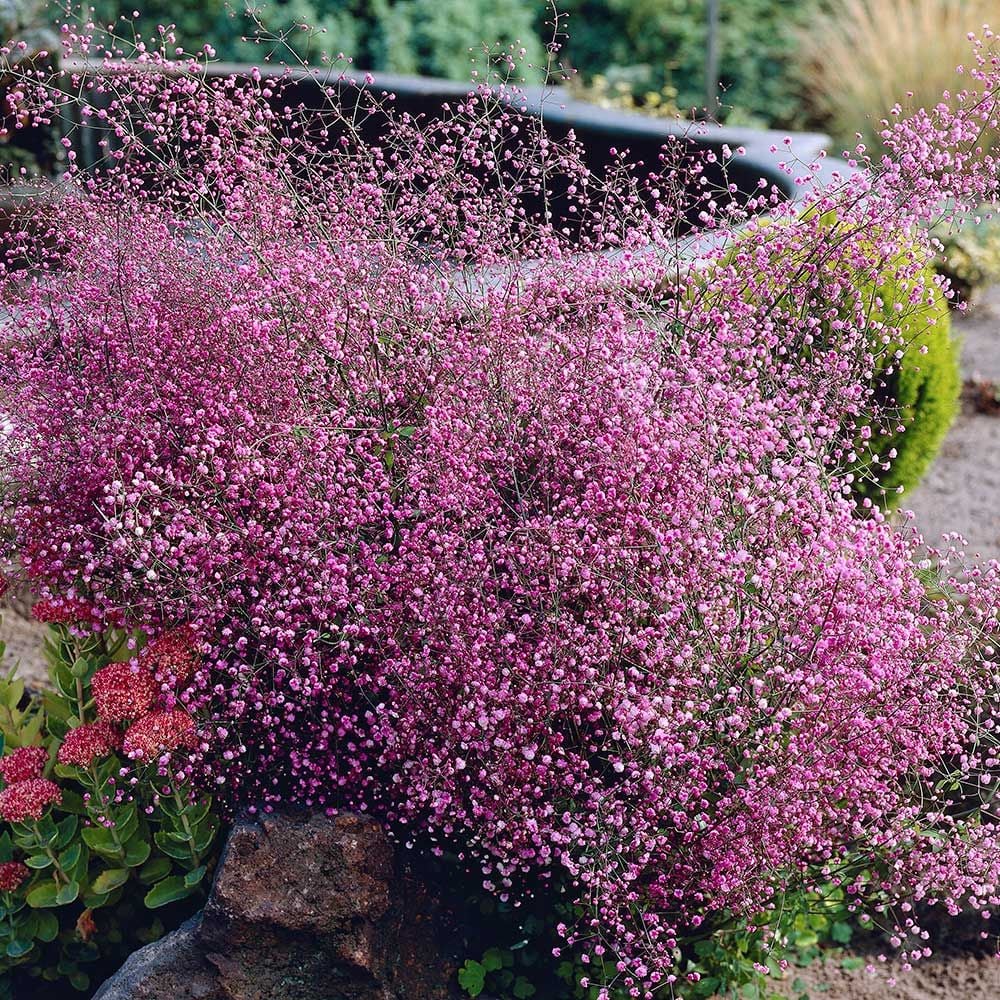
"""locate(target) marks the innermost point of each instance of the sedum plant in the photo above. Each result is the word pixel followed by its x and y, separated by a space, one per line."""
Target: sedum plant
pixel 100 828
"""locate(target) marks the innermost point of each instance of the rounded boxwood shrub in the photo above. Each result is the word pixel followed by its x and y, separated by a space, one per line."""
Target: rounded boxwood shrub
pixel 922 391
pixel 916 383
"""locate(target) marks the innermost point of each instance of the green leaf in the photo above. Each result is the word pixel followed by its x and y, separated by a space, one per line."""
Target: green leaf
pixel 80 668
pixel 109 880
pixel 194 877
pixel 95 900
pixel 38 861
pixel 171 848
pixel 46 926
pixel 137 852
pixel 48 830
pixel 169 808
pixel 841 932
pixel 806 939
pixel 199 810
pixel 472 978
pixel 44 895
pixel 169 890
pixel 79 980
pixel 13 694
pixel 71 855
pixel 65 681
pixel 99 839
pixel 106 770
pixel 68 893
pixel 852 964
pixel 78 869
pixel 492 960
pixel 18 948
pixel 154 870
pixel 127 823
pixel 72 802
pixel 205 836
pixel 523 989
pixel 31 729
pixel 67 830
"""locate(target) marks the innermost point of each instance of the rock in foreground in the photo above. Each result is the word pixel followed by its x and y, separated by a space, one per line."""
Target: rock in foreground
pixel 306 908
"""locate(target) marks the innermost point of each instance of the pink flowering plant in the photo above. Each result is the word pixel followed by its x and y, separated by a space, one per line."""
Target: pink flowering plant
pixel 509 510
pixel 98 816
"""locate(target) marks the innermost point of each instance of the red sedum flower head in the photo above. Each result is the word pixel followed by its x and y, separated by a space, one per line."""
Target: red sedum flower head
pixel 173 655
pixel 28 799
pixel 23 764
pixel 85 744
pixel 159 733
pixel 123 691
pixel 62 611
pixel 12 874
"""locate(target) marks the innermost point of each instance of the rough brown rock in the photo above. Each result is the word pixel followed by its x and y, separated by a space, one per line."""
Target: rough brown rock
pixel 172 967
pixel 303 908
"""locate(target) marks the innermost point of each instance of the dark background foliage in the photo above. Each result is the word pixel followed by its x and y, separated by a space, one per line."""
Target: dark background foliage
pixel 648 44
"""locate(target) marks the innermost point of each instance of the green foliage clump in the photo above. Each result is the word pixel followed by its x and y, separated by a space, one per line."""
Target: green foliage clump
pixel 512 957
pixel 443 38
pixel 648 46
pixel 970 256
pixel 921 393
pixel 663 43
pixel 125 853
pixel 915 395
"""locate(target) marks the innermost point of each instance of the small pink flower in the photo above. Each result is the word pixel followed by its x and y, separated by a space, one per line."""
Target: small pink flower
pixel 12 874
pixel 173 655
pixel 85 744
pixel 123 691
pixel 23 764
pixel 159 733
pixel 28 799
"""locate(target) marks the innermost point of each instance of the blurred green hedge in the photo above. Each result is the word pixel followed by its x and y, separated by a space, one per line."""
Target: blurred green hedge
pixel 430 37
pixel 650 44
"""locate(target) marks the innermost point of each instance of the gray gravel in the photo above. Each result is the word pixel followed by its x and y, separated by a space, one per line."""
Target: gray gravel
pixel 962 490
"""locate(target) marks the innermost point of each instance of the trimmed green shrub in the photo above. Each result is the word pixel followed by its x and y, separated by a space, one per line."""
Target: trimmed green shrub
pixel 917 393
pixel 924 389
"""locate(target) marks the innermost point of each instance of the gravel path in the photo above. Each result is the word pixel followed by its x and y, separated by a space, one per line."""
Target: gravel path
pixel 962 490
pixel 955 977
pixel 23 637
